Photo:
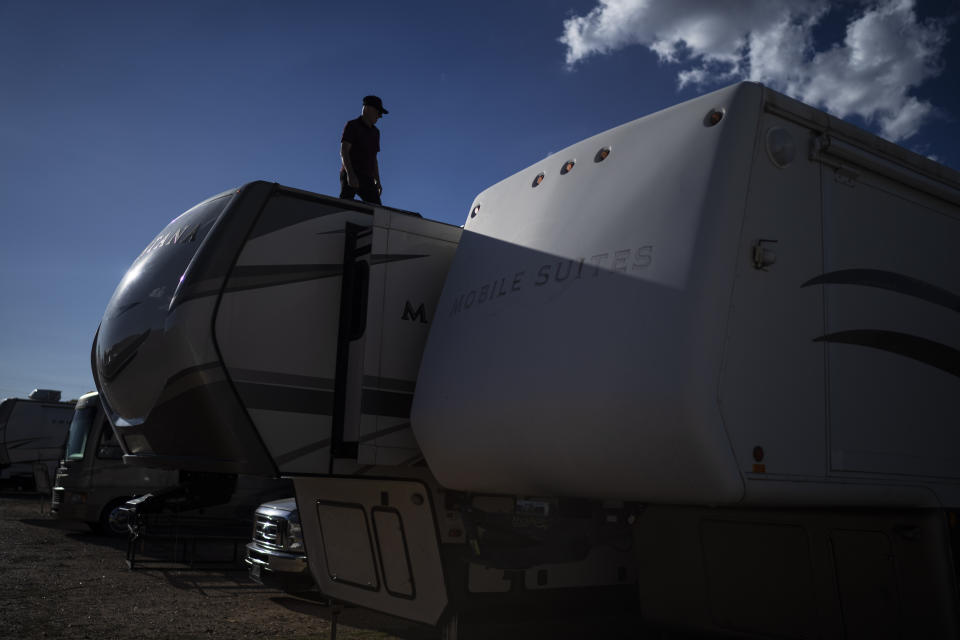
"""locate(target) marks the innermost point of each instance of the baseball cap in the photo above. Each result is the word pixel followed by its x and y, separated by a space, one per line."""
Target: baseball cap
pixel 375 101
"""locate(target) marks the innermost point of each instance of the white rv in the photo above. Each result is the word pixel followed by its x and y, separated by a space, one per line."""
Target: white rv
pixel 92 482
pixel 32 430
pixel 704 364
pixel 93 485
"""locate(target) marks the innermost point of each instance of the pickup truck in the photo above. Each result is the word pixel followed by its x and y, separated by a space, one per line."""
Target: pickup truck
pixel 276 556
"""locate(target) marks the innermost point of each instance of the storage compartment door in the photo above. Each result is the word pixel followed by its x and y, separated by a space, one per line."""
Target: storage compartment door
pixel 373 543
pixel 891 278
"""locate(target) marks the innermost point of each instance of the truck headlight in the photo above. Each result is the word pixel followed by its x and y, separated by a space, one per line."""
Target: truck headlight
pixel 293 540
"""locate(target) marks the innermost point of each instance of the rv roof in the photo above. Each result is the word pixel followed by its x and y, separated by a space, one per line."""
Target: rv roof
pixel 351 204
pixel 817 120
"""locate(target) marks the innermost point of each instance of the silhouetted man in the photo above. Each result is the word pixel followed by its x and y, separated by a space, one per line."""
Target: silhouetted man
pixel 359 145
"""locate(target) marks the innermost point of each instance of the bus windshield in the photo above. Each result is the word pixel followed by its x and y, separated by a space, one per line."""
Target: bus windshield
pixel 79 429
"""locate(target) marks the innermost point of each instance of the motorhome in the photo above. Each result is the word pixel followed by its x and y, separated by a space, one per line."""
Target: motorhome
pixel 705 363
pixel 32 430
pixel 92 482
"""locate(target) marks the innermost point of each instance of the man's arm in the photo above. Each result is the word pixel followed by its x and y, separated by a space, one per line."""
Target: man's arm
pixel 352 179
pixel 376 173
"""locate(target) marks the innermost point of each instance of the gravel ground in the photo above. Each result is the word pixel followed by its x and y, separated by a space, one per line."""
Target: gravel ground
pixel 60 580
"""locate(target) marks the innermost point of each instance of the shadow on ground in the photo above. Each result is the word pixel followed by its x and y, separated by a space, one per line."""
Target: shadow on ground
pixel 359 618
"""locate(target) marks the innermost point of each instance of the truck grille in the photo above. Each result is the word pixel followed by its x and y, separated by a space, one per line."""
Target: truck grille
pixel 268 530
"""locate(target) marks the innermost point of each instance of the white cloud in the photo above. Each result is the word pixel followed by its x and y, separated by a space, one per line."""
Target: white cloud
pixel 885 53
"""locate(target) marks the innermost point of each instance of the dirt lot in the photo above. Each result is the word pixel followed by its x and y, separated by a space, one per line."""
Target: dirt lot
pixel 60 580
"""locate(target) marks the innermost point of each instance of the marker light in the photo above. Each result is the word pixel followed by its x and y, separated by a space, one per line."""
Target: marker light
pixel 567 166
pixel 602 154
pixel 538 180
pixel 712 118
pixel 476 210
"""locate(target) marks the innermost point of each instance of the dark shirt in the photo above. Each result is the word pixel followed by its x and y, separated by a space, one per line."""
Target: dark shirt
pixel 364 144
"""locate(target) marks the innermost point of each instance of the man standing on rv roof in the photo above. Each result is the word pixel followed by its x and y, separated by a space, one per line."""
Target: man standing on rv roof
pixel 359 145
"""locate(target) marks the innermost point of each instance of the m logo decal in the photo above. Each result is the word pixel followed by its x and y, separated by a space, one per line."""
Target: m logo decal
pixel 412 315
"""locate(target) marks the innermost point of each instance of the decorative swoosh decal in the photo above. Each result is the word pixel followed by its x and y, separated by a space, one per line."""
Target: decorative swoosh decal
pixel 246 278
pixel 892 282
pixel 284 217
pixel 383 258
pixel 122 354
pixel 258 277
pixel 262 276
pixel 290 456
pixel 122 310
pixel 916 348
pixel 183 373
pixel 389 384
pixel 323 444
pixel 273 397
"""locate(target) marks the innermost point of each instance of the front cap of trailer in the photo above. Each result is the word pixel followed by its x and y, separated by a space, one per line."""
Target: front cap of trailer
pixel 155 359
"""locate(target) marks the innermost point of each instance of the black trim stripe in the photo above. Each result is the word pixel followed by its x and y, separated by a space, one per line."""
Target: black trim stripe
pixel 218 252
pixel 246 278
pixel 183 373
pixel 195 295
pixel 272 270
pixel 263 276
pixel 386 403
pixel 351 324
pixel 121 354
pixel 290 456
pixel 309 196
pixel 281 217
pixel 412 461
pixel 357 205
pixel 277 397
pixel 389 384
pixel 195 291
pixel 123 309
pixel 891 282
pixel 383 258
pixel 384 432
pixel 281 379
pixel 928 352
pixel 280 398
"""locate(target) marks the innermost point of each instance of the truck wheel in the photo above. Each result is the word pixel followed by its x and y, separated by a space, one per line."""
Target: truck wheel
pixel 113 521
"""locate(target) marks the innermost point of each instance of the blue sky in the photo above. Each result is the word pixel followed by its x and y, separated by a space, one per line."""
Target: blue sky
pixel 115 117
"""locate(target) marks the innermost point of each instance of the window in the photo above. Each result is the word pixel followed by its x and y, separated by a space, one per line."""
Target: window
pixel 109 447
pixel 79 429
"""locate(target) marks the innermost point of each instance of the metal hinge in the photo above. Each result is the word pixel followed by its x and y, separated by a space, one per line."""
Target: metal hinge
pixel 763 256
pixel 845 177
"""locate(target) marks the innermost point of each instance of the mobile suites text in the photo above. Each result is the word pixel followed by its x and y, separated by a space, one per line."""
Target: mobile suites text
pixel 622 261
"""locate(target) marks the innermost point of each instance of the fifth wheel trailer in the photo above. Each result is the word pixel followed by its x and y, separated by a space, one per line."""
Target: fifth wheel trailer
pixel 705 362
pixel 32 431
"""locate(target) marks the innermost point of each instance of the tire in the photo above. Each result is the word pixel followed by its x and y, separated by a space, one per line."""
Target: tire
pixel 113 522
